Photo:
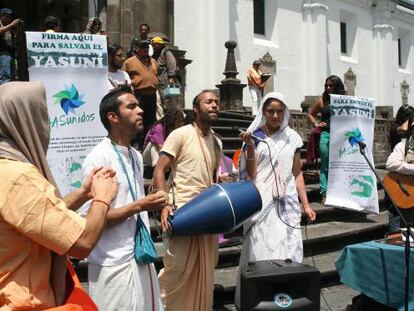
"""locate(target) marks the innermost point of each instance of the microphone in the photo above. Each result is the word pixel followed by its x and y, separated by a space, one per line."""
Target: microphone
pixel 253 136
pixel 361 145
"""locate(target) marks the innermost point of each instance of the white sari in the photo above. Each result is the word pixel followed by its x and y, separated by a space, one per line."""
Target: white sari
pixel 266 235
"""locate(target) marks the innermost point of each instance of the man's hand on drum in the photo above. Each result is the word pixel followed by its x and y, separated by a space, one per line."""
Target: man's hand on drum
pixel 154 201
pixel 167 211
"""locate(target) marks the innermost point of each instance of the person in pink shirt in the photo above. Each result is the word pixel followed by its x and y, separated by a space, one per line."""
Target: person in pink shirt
pixel 154 140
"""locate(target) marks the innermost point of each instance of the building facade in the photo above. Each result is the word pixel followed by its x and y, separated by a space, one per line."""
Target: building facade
pixel 368 43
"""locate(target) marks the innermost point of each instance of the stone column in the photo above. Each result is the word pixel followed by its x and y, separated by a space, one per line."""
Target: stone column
pixel 113 29
pixel 382 68
pixel 181 73
pixel 314 57
pixel 231 90
pixel 268 65
pixel 405 89
pixel 126 24
pixel 350 82
pixel 383 53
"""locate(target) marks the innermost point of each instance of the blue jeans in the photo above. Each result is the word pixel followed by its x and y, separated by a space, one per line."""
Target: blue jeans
pixel 5 68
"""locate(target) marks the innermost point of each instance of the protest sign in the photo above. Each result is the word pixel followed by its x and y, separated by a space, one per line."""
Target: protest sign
pixel 351 183
pixel 74 72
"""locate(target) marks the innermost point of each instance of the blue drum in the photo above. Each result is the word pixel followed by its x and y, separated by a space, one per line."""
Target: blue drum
pixel 220 208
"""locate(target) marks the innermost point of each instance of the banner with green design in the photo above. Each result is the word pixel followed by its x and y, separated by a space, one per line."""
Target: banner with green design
pixel 73 69
pixel 351 183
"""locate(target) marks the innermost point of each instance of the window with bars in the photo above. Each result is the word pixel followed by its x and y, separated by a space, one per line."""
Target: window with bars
pixel 399 52
pixel 344 49
pixel 259 16
pixel 403 46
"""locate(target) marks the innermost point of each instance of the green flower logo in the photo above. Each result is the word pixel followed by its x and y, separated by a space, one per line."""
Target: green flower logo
pixel 354 137
pixel 69 99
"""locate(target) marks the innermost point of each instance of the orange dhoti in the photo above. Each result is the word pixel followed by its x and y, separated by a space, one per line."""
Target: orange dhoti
pixel 187 280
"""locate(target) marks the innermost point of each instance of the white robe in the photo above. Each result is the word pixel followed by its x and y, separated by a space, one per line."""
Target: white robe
pixel 116 281
pixel 267 235
pixel 125 287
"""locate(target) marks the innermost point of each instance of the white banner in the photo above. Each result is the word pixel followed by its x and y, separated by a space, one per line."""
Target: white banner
pixel 351 183
pixel 74 71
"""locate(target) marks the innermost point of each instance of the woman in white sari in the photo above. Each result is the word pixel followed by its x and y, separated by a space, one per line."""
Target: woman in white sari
pixel 274 233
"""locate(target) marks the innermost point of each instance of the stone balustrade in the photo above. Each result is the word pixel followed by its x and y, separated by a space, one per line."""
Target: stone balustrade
pixel 299 122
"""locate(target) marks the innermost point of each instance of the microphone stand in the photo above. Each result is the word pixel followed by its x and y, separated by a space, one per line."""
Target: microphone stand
pixel 362 150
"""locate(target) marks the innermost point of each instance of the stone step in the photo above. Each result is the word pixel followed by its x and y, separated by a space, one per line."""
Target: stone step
pixel 328 213
pixel 312 191
pixel 337 297
pixel 232 122
pixel 317 239
pixel 333 235
pixel 333 298
pixel 235 115
pixel 324 213
pixel 227 131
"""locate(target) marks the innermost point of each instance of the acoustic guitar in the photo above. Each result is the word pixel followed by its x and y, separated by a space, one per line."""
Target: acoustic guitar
pixel 401 189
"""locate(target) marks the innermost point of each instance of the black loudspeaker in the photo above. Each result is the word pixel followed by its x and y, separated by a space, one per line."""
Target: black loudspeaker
pixel 279 285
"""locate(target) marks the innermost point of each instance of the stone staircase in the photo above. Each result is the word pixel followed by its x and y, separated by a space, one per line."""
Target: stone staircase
pixel 323 239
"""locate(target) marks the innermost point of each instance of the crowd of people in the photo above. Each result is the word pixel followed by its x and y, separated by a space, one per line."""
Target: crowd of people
pixel 113 206
pixel 110 227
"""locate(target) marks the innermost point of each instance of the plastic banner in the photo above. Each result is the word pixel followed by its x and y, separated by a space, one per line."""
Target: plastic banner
pixel 73 68
pixel 351 183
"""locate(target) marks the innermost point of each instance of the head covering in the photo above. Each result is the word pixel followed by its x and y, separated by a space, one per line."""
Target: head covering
pixel 91 22
pixel 24 125
pixel 260 119
pixel 24 136
pixel 6 11
pixel 256 62
pixel 157 40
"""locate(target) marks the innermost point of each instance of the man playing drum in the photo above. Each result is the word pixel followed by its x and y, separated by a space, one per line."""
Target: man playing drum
pixel 193 154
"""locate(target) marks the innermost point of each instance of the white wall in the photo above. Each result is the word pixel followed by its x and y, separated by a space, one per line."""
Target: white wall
pixel 303 37
pixel 201 28
pixel 404 21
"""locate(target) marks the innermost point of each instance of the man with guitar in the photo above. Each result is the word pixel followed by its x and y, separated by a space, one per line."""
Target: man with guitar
pixel 399 182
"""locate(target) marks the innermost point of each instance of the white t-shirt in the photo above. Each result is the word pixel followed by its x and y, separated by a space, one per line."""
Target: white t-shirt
pixel 116 245
pixel 118 77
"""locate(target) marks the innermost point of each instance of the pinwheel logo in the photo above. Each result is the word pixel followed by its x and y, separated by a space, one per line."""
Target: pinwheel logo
pixel 69 99
pixel 354 137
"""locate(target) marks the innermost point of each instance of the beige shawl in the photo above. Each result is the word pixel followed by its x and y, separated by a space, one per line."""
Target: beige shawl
pixel 24 124
pixel 24 136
